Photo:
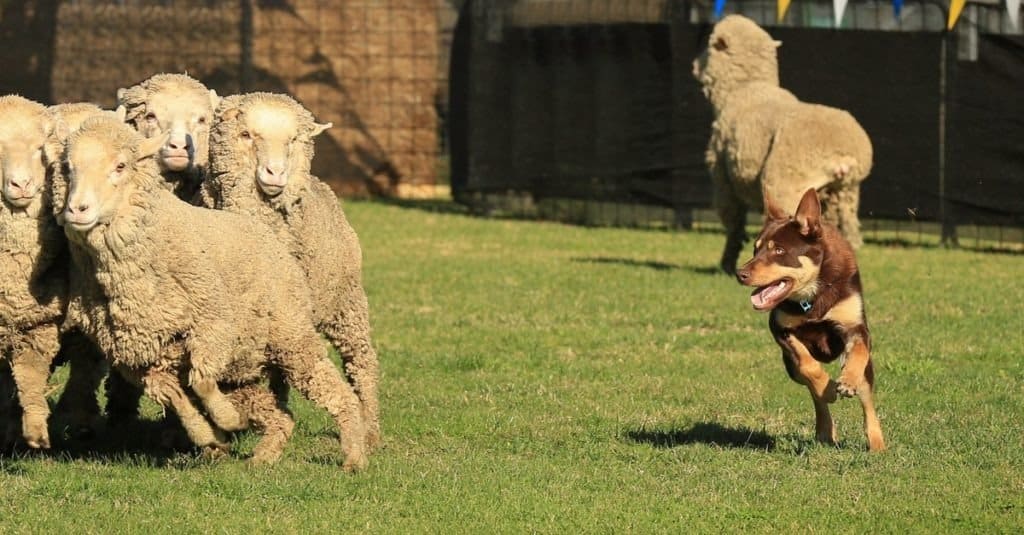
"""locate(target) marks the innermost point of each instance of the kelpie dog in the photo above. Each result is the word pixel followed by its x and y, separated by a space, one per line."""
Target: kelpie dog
pixel 806 275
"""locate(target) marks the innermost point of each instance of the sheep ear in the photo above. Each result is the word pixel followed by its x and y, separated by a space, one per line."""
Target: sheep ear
pixel 777 43
pixel 121 92
pixel 214 99
pixel 720 44
pixel 808 213
pixel 151 145
pixel 772 212
pixel 229 114
pixel 121 112
pixel 318 128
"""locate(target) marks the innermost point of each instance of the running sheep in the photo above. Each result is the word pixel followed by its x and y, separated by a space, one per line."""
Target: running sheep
pixel 261 149
pixel 233 305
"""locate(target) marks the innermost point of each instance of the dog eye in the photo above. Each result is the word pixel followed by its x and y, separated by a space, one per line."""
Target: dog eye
pixel 780 251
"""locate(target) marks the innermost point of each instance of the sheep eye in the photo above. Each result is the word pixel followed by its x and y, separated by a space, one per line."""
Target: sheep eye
pixel 246 134
pixel 202 120
pixel 150 116
pixel 121 167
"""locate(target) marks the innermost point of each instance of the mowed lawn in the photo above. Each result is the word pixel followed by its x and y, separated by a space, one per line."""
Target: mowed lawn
pixel 539 377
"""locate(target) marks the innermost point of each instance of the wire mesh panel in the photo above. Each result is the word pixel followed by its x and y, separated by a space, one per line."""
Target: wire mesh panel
pixel 595 102
pixel 368 66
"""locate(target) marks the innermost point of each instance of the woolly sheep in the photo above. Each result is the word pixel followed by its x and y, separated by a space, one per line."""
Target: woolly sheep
pixel 232 302
pixel 182 108
pixel 261 149
pixel 764 140
pixel 33 262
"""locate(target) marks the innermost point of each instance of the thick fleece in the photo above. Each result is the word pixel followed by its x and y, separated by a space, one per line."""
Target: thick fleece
pixel 261 149
pixel 174 293
pixel 765 141
pixel 33 262
pixel 180 107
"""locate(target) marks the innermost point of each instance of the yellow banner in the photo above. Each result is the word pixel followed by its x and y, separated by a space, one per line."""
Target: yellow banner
pixel 955 7
pixel 783 5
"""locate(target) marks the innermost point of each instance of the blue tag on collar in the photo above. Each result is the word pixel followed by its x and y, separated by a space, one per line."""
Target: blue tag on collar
pixel 805 305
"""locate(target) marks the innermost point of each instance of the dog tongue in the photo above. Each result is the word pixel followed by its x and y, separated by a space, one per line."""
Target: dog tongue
pixel 767 294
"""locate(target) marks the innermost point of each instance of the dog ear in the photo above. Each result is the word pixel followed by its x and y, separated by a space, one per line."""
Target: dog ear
pixel 772 212
pixel 808 214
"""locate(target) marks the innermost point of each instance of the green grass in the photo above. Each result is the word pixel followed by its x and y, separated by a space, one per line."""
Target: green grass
pixel 550 378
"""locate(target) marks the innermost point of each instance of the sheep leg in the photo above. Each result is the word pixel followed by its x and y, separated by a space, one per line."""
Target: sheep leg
pixel 10 412
pixel 848 203
pixel 122 399
pixel 166 389
pixel 30 364
pixel 349 333
pixel 733 214
pixel 273 422
pixel 206 368
pixel 87 366
pixel 304 360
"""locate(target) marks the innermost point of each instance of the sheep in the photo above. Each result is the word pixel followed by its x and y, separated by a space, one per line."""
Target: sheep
pixel 178 105
pixel 232 303
pixel 33 262
pixel 764 140
pixel 261 148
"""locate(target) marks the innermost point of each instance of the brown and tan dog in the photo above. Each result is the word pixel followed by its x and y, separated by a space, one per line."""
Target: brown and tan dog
pixel 805 273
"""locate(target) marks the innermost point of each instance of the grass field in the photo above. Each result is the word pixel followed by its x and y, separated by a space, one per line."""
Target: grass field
pixel 548 378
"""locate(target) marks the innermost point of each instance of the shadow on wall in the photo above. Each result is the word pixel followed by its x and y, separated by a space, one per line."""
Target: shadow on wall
pixel 27 33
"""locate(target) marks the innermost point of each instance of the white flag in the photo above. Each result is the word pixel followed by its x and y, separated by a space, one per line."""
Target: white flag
pixel 1013 8
pixel 839 7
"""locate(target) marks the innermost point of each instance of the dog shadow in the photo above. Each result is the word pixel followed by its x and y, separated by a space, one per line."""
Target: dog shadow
pixel 709 433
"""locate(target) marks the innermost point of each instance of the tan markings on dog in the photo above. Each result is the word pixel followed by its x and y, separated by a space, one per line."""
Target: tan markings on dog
pixel 805 277
pixel 788 321
pixel 823 391
pixel 872 427
pixel 757 244
pixel 771 244
pixel 812 373
pixel 855 361
pixel 848 313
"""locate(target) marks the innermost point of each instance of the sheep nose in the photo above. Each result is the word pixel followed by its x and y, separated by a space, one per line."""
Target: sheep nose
pixel 175 144
pixel 78 208
pixel 20 182
pixel 270 171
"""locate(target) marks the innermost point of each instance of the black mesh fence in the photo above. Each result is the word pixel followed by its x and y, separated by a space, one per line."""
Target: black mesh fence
pixel 594 104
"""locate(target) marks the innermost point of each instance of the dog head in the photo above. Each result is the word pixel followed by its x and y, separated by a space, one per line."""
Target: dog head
pixel 787 255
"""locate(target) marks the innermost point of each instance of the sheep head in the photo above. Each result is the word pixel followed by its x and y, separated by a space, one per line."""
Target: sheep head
pixel 738 52
pixel 179 107
pixel 106 163
pixel 23 135
pixel 268 138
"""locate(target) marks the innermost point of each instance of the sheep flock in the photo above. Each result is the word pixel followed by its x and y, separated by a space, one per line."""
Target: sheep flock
pixel 179 247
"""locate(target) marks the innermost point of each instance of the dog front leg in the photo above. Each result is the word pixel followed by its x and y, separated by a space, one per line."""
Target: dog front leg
pixel 812 374
pixel 854 381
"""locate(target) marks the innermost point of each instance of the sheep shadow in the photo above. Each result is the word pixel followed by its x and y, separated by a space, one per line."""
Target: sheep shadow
pixel 137 441
pixel 709 433
pixel 630 262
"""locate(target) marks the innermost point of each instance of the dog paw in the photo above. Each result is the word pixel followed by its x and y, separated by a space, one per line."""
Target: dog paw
pixel 845 389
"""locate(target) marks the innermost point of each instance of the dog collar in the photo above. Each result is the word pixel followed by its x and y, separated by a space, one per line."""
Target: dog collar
pixel 805 305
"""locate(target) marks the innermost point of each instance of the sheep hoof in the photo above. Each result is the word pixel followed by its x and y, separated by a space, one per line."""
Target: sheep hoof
pixel 355 463
pixel 36 438
pixel 213 452
pixel 264 458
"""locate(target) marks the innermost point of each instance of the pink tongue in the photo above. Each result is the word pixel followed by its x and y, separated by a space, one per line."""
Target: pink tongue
pixel 760 298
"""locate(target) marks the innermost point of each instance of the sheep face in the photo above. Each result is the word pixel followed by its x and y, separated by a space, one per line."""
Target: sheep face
pixel 738 52
pixel 272 141
pixel 102 165
pixel 185 119
pixel 22 138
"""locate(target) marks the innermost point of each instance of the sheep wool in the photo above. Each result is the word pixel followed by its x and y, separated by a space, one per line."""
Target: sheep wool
pixel 233 304
pixel 261 150
pixel 181 107
pixel 33 263
pixel 765 142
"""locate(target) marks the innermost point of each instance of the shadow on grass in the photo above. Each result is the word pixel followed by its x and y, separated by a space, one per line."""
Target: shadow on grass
pixel 651 264
pixel 139 442
pixel 704 433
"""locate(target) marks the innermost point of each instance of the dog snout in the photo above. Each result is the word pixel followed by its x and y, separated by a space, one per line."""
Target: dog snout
pixel 743 275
